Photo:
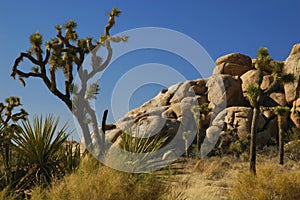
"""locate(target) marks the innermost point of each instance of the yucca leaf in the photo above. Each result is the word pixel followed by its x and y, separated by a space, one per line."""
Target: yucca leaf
pixel 40 144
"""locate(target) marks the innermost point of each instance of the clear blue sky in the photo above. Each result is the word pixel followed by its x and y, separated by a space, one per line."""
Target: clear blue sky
pixel 221 27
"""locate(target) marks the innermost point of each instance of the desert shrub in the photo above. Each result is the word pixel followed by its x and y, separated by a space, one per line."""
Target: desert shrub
pixel 40 144
pixel 271 182
pixel 6 194
pixel 292 150
pixel 239 146
pixel 70 156
pixel 212 170
pixel 95 181
pixel 140 152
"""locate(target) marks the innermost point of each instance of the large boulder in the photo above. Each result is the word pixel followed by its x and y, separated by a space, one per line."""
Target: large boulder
pixel 235 58
pixel 295 113
pixel 224 91
pixel 166 115
pixel 278 98
pixel 239 119
pixel 231 69
pixel 189 89
pixel 251 76
pixel 234 64
pixel 199 86
pixel 292 65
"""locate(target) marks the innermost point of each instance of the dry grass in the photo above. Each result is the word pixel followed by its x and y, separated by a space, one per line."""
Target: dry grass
pixel 211 178
pixel 95 182
pixel 227 178
pixel 206 179
pixel 5 195
pixel 272 182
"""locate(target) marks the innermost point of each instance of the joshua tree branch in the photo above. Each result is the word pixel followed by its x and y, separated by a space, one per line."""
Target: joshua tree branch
pixel 106 62
pixel 27 75
pixel 20 58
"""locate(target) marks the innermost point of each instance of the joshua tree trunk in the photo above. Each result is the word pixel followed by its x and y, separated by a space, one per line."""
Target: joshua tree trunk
pixel 253 140
pixel 7 165
pixel 281 148
pixel 186 149
pixel 282 116
pixel 281 143
pixel 199 134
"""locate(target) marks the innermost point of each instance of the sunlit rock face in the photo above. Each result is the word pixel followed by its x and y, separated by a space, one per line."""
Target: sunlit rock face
pixel 170 112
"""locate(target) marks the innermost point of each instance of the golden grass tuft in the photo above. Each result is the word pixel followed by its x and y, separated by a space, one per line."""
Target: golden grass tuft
pixel 93 181
pixel 272 182
pixel 212 169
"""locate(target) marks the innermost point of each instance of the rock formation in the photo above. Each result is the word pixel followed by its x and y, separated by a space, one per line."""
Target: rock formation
pixel 169 113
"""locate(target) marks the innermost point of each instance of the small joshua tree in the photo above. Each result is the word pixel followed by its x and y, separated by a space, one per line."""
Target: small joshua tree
pixel 200 112
pixel 255 94
pixel 185 137
pixel 66 53
pixel 282 113
pixel 8 127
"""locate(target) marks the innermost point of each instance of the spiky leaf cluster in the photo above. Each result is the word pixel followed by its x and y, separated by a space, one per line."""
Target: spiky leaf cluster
pixel 279 73
pixel 200 111
pixel 263 58
pixel 7 109
pixel 70 27
pixel 40 144
pixel 253 93
pixel 282 110
pixel 116 12
pixel 36 40
pixel 92 91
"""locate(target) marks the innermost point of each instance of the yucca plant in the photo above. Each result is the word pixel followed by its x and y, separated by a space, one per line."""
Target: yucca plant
pixel 139 153
pixel 40 145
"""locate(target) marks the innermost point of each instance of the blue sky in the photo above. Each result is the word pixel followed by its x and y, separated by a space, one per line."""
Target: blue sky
pixel 221 27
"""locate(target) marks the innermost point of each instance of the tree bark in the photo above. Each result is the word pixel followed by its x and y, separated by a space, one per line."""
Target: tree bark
pixel 253 140
pixel 281 143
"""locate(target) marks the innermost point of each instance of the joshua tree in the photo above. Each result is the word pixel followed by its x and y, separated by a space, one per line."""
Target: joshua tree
pixel 67 52
pixel 200 112
pixel 255 94
pixel 8 127
pixel 282 113
pixel 185 136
